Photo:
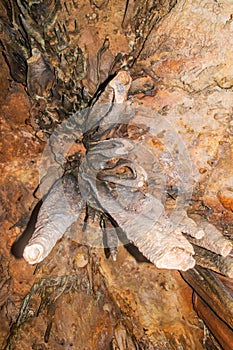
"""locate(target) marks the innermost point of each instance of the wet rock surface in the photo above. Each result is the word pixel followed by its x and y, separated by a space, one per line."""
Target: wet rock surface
pixel 77 298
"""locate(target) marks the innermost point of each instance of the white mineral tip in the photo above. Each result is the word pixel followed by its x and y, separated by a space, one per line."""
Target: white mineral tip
pixel 200 234
pixel 33 253
pixel 176 259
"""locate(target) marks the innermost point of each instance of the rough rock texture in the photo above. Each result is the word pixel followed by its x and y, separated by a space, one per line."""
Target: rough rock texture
pixel 191 60
pixel 69 305
pixel 181 68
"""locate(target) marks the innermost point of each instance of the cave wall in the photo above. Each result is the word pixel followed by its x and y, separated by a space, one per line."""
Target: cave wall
pixel 180 61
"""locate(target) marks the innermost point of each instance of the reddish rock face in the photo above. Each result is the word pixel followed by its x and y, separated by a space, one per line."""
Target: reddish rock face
pixel 21 156
pixel 181 67
pixel 225 196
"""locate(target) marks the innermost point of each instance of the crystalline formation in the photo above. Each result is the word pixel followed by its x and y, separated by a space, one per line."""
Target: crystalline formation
pixel 124 178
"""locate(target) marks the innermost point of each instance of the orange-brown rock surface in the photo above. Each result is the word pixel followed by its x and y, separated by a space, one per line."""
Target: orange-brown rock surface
pixel 182 69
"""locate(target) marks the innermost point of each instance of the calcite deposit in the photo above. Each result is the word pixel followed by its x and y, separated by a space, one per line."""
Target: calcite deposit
pixel 178 54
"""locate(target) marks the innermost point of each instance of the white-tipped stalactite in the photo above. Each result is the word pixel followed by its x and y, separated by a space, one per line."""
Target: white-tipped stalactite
pixel 59 210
